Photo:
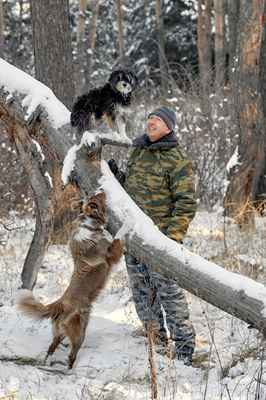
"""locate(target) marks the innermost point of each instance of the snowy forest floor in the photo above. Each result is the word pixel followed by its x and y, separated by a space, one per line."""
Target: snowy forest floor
pixel 112 363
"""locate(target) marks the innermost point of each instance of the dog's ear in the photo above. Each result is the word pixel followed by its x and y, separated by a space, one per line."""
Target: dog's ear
pixel 99 196
pixel 118 75
pixel 133 79
pixel 114 78
pixel 129 76
pixel 76 204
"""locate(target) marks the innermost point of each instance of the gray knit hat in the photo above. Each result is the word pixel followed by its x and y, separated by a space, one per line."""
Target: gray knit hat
pixel 167 115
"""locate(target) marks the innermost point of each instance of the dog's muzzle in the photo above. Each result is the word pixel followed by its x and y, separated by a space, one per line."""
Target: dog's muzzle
pixel 124 87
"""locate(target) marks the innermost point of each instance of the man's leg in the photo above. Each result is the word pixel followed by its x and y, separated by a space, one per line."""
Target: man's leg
pixel 144 293
pixel 150 292
pixel 175 305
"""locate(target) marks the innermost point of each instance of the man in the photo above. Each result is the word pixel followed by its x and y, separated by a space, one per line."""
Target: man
pixel 159 179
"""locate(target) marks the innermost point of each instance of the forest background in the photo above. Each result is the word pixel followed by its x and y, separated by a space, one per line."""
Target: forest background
pixel 205 58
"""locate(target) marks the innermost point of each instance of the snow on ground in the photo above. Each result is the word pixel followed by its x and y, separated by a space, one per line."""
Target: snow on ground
pixel 112 363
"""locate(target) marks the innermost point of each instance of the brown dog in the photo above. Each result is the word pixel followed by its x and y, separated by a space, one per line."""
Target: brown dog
pixel 94 253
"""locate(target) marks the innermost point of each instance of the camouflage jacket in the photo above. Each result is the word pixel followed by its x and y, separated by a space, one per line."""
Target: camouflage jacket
pixel 159 179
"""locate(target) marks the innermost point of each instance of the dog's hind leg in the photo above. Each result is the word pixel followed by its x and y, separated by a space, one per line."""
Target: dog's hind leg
pixel 75 346
pixel 58 336
pixel 53 346
pixel 75 328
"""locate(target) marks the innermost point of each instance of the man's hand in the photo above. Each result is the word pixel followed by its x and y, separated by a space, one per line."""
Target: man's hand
pixel 119 175
pixel 113 166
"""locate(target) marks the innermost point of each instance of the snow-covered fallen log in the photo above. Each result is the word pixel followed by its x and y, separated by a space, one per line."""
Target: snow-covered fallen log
pixel 235 294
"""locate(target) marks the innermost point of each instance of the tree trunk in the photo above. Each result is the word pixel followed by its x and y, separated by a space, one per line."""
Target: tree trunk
pixel 233 19
pixel 233 60
pixel 120 32
pixel 43 205
pixel 52 47
pixel 261 190
pixel 81 20
pixel 204 44
pixel 145 8
pixel 20 21
pixel 161 47
pixel 243 190
pixel 92 41
pixel 2 27
pixel 81 47
pixel 219 11
pixel 237 295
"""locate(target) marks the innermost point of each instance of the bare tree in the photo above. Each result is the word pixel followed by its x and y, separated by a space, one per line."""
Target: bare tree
pixel 233 18
pixel 81 46
pixel 2 26
pixel 21 2
pixel 95 5
pixel 243 190
pixel 52 47
pixel 219 12
pixel 204 44
pixel 161 46
pixel 145 7
pixel 81 20
pixel 261 190
pixel 120 32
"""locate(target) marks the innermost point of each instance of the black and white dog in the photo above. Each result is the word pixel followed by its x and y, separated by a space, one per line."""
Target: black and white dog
pixel 105 102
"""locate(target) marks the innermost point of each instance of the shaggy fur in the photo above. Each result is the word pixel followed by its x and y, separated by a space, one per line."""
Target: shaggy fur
pixel 104 101
pixel 94 253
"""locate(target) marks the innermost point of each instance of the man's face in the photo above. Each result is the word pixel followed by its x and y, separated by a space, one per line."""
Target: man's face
pixel 156 128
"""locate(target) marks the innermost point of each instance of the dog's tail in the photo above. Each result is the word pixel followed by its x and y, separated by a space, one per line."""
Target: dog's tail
pixel 34 309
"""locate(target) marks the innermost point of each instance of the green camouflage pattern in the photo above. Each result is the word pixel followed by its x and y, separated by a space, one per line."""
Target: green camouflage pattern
pixel 160 181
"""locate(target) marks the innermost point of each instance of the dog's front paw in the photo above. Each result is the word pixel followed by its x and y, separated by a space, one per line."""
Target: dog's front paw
pixel 115 251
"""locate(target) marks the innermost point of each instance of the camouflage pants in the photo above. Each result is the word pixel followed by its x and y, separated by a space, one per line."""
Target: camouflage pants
pixel 151 292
